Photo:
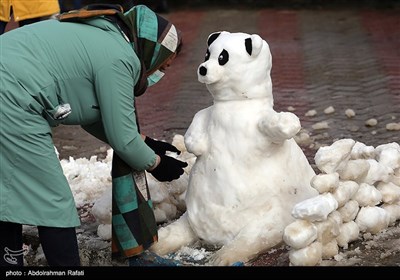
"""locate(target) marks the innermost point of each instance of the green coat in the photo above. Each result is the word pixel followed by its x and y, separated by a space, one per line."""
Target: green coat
pixel 89 66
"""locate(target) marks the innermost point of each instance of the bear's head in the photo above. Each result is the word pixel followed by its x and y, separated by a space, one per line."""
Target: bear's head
pixel 237 66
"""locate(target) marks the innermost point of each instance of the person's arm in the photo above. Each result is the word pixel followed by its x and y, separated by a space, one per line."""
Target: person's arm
pixel 114 86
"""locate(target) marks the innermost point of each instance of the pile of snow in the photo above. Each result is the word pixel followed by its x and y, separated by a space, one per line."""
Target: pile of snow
pixel 359 192
pixel 88 178
pixel 90 182
pixel 358 185
pixel 169 197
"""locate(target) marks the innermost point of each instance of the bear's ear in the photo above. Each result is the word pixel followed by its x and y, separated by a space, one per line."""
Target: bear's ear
pixel 253 44
pixel 212 37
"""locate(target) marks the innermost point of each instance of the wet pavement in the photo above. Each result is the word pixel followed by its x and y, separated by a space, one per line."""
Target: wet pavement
pixel 347 58
pixel 344 58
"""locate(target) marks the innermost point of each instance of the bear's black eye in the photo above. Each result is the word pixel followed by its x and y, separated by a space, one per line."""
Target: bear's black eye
pixel 207 55
pixel 223 57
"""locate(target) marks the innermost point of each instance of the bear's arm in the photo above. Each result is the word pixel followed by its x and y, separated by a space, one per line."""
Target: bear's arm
pixel 279 127
pixel 196 137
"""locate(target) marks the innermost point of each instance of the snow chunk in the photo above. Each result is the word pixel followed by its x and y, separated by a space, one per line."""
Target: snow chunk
pixel 348 232
pixel 349 113
pixel 300 234
pixel 367 195
pixel 362 151
pixel 372 219
pixel 329 110
pixel 315 208
pixel 328 159
pixel 349 211
pixel 390 192
pixel 345 191
pixel 371 122
pixel 308 256
pixel 325 182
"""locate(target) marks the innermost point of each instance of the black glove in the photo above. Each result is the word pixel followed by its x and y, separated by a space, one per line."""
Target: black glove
pixel 160 147
pixel 168 169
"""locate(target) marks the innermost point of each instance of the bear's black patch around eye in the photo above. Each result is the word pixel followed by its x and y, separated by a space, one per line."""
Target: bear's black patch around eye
pixel 223 57
pixel 207 55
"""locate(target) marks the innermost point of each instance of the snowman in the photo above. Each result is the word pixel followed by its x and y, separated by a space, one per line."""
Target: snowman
pixel 249 172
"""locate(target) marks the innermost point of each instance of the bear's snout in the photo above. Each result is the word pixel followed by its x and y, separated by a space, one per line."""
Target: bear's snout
pixel 203 70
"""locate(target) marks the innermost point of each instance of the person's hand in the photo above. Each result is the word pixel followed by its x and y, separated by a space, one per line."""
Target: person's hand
pixel 168 169
pixel 160 147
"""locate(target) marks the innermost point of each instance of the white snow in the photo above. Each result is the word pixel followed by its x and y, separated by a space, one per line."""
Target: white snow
pixel 275 196
pixel 357 211
pixel 350 113
pixel 367 196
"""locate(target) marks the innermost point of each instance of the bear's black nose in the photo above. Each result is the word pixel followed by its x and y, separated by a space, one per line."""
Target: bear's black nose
pixel 203 71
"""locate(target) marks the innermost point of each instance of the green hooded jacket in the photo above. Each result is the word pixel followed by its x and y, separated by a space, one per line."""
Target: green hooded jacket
pixel 50 66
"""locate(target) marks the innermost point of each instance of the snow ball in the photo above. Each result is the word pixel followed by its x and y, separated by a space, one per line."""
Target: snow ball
pixel 320 125
pixel 349 113
pixel 102 208
pixel 348 232
pixel 372 219
pixel 329 158
pixel 330 249
pixel 349 211
pixel 393 126
pixel 335 215
pixel 327 230
pixel 315 208
pixel 311 113
pixel 362 151
pixel 325 182
pixel 165 211
pixel 104 231
pixel 389 157
pixel 329 110
pixel 377 172
pixel 367 195
pixel 300 234
pixel 302 138
pixel 355 170
pixel 390 192
pixel 345 191
pixel 394 212
pixel 308 256
pixel 371 122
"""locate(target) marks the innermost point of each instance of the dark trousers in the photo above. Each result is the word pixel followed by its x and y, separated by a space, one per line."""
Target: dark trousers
pixel 60 245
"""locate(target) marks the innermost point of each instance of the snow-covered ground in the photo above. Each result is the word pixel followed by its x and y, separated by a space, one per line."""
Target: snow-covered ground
pixel 353 239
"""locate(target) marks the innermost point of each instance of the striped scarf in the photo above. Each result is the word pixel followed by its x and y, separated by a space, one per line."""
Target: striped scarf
pixel 155 40
pixel 134 227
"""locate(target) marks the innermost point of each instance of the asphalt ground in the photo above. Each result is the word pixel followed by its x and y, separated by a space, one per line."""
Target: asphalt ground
pixel 347 58
pixel 344 57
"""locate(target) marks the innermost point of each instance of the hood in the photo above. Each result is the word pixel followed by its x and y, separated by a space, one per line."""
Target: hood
pixel 156 39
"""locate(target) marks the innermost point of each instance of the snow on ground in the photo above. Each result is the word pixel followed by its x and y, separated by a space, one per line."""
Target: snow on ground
pixel 90 183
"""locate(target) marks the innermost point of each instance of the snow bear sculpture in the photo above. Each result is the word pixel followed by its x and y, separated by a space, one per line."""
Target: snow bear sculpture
pixel 249 171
